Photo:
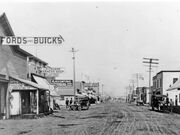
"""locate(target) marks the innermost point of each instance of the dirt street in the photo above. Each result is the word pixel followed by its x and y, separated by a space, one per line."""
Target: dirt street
pixel 101 119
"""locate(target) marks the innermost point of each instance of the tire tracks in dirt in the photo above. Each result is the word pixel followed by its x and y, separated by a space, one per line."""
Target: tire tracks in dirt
pixel 128 119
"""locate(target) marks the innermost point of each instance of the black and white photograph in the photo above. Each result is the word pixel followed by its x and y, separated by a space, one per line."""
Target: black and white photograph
pixel 97 67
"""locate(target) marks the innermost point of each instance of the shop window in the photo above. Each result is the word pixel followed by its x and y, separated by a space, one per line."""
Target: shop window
pixel 160 82
pixel 62 98
pixel 174 80
pixel 157 83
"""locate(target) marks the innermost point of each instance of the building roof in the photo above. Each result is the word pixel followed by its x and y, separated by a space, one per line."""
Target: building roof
pixel 168 71
pixel 37 59
pixel 9 32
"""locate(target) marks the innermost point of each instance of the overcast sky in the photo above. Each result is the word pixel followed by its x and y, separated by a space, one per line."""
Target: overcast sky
pixel 112 37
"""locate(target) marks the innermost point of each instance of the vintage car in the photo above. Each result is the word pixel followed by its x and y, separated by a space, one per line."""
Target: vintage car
pixel 158 102
pixel 139 102
pixel 80 102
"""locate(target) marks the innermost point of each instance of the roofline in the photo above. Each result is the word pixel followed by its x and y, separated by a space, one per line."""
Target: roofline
pixel 36 58
pixel 167 71
pixel 7 22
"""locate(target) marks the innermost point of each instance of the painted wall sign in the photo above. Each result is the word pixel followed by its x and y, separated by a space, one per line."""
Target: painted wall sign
pixel 17 85
pixel 52 70
pixel 63 83
pixel 12 40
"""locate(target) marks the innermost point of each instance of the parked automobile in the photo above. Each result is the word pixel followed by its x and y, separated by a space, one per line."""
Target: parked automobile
pixel 139 102
pixel 158 102
pixel 80 102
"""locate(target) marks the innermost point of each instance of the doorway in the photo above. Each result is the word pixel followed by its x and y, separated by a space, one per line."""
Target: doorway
pixel 3 91
pixel 25 102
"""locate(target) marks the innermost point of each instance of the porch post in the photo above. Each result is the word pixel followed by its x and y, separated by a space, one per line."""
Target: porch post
pixel 7 102
pixel 49 100
pixel 37 98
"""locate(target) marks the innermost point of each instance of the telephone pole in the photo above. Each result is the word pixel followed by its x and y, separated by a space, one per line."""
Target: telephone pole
pixel 127 88
pixel 74 71
pixel 138 77
pixel 150 62
pixel 132 88
pixel 102 90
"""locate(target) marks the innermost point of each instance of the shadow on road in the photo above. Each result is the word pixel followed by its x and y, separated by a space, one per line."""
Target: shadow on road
pixel 58 116
pixel 24 132
pixel 96 116
pixel 67 125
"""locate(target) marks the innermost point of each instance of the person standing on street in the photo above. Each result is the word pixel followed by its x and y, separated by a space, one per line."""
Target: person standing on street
pixel 152 101
pixel 176 101
pixel 67 102
pixel 71 101
pixel 167 100
pixel 171 105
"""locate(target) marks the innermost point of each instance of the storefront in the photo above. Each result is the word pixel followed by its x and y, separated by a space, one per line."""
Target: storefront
pixel 39 80
pixel 3 93
pixel 26 97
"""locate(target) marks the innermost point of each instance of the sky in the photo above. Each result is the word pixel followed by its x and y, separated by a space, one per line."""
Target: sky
pixel 112 38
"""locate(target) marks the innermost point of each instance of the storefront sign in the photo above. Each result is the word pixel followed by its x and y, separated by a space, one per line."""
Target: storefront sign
pixel 52 70
pixel 12 40
pixel 63 83
pixel 17 85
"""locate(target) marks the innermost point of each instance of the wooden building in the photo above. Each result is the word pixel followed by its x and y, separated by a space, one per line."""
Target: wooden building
pixel 17 93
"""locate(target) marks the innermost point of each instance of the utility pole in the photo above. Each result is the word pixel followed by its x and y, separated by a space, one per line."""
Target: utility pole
pixel 138 76
pixel 150 61
pixel 74 71
pixel 102 90
pixel 126 93
pixel 132 81
pixel 132 92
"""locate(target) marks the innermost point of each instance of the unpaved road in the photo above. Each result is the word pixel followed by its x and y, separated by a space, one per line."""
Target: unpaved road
pixel 101 119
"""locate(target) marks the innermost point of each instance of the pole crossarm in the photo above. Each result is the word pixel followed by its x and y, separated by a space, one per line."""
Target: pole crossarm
pixel 150 59
pixel 150 62
pixel 151 66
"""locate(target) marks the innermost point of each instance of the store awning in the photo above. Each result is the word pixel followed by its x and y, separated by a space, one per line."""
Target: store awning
pixel 176 85
pixel 22 84
pixel 41 81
